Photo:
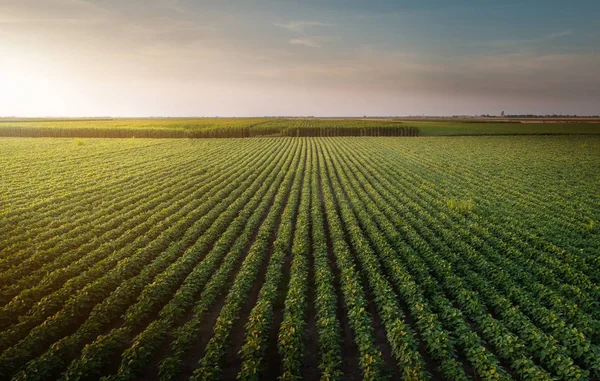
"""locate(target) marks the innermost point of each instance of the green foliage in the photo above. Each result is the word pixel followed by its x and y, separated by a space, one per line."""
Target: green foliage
pixel 458 127
pixel 292 127
pixel 460 206
pixel 202 128
pixel 451 258
pixel 591 225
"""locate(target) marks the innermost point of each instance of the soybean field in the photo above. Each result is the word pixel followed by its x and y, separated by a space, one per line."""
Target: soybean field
pixel 317 258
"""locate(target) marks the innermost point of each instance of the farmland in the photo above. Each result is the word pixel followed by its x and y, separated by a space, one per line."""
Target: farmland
pixel 261 127
pixel 202 127
pixel 332 258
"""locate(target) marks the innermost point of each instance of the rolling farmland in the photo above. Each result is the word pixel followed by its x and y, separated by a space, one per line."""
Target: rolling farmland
pixel 332 258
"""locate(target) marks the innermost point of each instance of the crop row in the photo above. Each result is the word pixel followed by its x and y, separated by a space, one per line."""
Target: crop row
pixel 301 258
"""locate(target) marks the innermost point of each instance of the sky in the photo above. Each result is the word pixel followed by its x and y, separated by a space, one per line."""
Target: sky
pixel 306 57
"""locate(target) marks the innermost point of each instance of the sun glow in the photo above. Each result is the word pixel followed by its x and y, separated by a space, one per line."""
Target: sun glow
pixel 29 87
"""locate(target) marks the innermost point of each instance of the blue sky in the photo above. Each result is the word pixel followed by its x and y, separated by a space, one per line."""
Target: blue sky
pixel 266 57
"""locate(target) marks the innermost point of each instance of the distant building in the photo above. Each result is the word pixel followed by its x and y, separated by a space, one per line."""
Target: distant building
pixel 502 114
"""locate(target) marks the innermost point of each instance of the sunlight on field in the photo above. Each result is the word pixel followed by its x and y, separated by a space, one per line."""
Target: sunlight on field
pixel 192 258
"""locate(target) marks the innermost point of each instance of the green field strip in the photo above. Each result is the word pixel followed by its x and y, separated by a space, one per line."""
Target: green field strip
pixel 209 367
pixel 260 320
pixel 541 257
pixel 151 297
pixel 84 262
pixel 52 169
pixel 402 225
pixel 61 165
pixel 570 204
pixel 216 182
pixel 62 151
pixel 131 225
pixel 32 221
pixel 62 236
pixel 507 345
pixel 204 128
pixel 291 337
pixel 370 358
pixel 85 180
pixel 211 273
pixel 39 258
pixel 328 325
pixel 171 365
pixel 438 342
pixel 90 190
pixel 558 355
pixel 507 187
pixel 130 187
pixel 387 239
pixel 307 257
pixel 495 271
pixel 571 207
pixel 400 336
pixel 131 266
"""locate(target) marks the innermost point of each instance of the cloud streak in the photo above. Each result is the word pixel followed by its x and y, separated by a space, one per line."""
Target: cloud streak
pixel 564 33
pixel 521 42
pixel 308 42
pixel 301 26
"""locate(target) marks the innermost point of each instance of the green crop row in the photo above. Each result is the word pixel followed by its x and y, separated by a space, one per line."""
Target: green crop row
pixel 324 258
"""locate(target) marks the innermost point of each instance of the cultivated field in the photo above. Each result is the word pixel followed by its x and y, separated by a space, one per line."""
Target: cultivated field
pixel 256 127
pixel 202 128
pixel 333 258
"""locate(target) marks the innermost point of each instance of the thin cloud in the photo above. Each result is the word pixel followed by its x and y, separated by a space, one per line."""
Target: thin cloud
pixel 53 11
pixel 564 33
pixel 308 42
pixel 521 42
pixel 172 31
pixel 301 26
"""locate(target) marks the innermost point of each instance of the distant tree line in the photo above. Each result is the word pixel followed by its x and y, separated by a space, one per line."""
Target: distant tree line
pixel 561 116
